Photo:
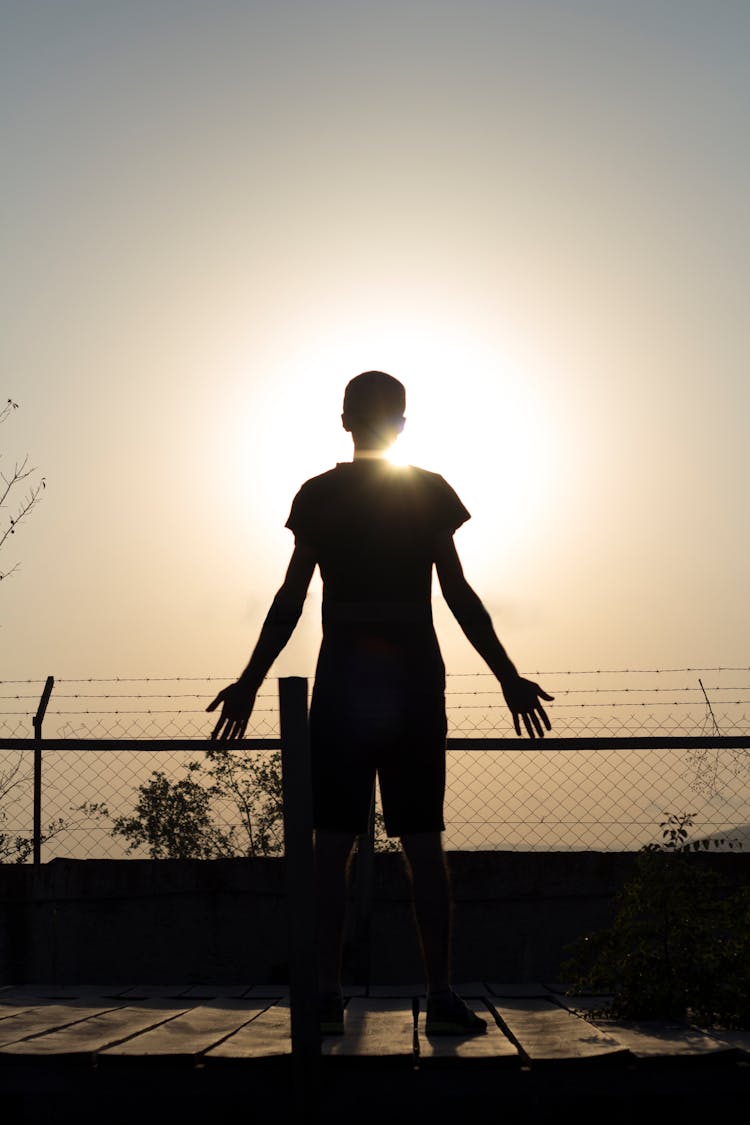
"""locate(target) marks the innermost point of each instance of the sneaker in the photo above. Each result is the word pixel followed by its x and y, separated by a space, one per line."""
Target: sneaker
pixel 331 1014
pixel 447 1014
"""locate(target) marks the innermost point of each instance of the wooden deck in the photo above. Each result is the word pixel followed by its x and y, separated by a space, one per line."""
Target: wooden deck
pixel 144 1048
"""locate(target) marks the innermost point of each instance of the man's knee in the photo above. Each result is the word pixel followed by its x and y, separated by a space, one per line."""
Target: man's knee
pixel 424 849
pixel 333 849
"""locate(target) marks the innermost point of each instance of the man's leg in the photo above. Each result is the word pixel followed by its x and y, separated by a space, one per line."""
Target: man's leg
pixel 425 860
pixel 333 851
pixel 447 1014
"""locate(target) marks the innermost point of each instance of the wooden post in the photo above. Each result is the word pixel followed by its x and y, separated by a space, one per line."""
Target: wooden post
pixel 361 929
pixel 37 721
pixel 300 886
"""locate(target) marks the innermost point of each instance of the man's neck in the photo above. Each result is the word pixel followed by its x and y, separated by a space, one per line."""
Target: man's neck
pixel 370 454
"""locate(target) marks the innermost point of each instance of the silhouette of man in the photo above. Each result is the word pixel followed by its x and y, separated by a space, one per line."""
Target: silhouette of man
pixel 375 530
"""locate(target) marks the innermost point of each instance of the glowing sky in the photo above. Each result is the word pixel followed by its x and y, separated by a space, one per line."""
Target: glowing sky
pixel 534 213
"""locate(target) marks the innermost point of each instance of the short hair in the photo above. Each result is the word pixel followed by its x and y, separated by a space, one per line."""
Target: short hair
pixel 374 394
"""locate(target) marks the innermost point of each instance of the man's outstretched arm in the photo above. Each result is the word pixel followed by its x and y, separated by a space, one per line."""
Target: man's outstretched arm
pixel 238 699
pixel 522 696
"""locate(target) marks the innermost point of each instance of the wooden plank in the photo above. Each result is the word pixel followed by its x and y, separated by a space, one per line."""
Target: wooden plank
pixel 547 1033
pixel 62 991
pixel 267 1036
pixel 657 1039
pixel 81 1041
pixel 396 991
pixel 736 1040
pixel 374 1028
pixel 269 992
pixel 15 1009
pixel 472 990
pixel 45 1017
pixel 494 1046
pixel 513 989
pixel 281 991
pixel 154 991
pixel 187 1033
pixel 654 1039
pixel 7 1010
pixel 587 1005
pixel 216 992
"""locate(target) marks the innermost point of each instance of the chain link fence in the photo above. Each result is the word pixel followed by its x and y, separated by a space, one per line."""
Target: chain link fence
pixel 521 796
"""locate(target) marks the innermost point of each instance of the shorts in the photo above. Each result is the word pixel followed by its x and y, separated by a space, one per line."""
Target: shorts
pixel 410 768
pixel 368 719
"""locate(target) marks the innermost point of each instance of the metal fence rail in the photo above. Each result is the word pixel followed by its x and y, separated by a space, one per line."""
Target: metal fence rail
pixel 629 749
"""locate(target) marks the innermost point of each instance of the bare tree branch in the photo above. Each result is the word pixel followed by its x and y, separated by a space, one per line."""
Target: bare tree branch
pixel 12 778
pixel 7 409
pixel 22 471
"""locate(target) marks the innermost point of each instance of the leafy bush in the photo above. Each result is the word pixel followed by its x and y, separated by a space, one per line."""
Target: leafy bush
pixel 679 946
pixel 229 804
pixel 180 819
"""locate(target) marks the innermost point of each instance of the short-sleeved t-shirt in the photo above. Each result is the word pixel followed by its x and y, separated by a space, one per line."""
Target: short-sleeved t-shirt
pixel 373 527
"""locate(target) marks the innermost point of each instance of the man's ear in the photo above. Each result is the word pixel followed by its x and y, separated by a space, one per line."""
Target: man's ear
pixel 346 424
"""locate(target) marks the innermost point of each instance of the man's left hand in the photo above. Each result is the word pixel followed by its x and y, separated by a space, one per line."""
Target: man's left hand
pixel 523 698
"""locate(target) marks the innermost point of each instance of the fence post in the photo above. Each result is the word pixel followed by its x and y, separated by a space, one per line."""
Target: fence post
pixel 37 721
pixel 300 870
pixel 361 927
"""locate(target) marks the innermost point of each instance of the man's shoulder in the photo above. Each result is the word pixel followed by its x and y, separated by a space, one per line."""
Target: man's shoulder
pixel 430 484
pixel 427 477
pixel 348 475
pixel 321 480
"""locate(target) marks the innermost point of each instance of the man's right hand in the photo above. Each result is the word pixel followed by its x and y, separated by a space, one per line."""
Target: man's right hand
pixel 237 702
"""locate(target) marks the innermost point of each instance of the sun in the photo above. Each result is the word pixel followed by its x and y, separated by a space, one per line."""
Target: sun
pixel 473 415
pixel 479 421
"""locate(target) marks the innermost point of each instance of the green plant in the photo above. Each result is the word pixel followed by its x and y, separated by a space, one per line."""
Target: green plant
pixel 229 804
pixel 679 946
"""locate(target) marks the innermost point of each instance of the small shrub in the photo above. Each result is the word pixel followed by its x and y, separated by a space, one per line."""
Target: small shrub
pixel 679 946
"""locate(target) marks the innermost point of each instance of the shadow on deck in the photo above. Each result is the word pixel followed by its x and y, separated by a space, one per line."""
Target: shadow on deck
pixel 202 1053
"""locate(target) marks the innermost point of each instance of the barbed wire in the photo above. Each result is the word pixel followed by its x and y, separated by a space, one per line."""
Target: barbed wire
pixel 454 675
pixel 492 692
pixel 467 694
pixel 454 707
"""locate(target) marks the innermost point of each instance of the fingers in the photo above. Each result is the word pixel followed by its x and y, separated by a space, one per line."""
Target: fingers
pixel 228 728
pixel 534 714
pixel 234 729
pixel 532 721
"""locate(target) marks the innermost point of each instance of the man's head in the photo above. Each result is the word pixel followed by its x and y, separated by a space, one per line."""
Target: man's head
pixel 374 405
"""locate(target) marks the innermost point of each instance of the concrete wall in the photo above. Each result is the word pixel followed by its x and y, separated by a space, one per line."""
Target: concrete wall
pixel 149 922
